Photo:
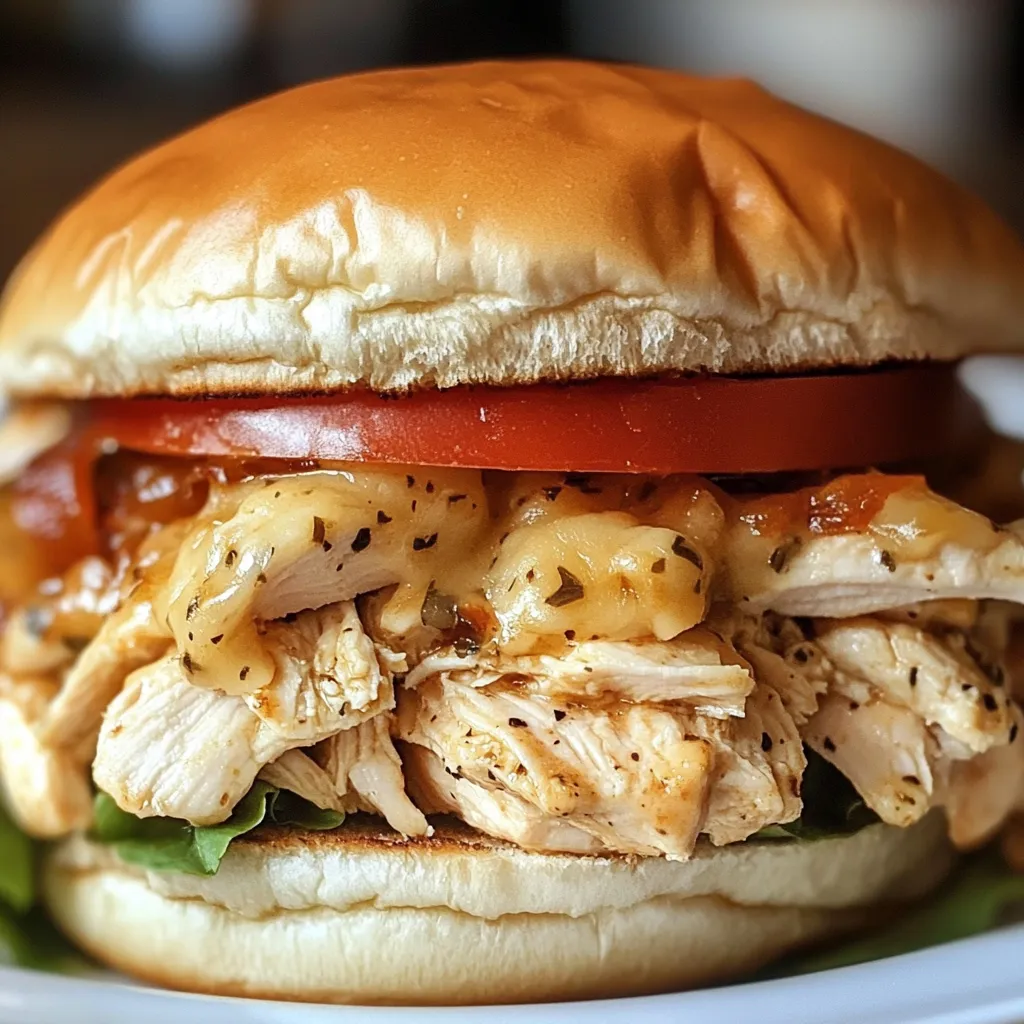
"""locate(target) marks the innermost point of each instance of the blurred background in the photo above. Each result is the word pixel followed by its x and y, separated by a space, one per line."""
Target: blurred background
pixel 86 83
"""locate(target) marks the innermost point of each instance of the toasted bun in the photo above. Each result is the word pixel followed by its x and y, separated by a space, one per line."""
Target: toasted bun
pixel 505 223
pixel 360 916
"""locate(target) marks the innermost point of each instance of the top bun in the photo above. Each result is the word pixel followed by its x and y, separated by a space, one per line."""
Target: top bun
pixel 505 223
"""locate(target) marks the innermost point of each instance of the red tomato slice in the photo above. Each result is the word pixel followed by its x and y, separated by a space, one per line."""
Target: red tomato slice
pixel 695 425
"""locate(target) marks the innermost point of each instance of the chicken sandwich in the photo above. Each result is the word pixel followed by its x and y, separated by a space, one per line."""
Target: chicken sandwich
pixel 501 532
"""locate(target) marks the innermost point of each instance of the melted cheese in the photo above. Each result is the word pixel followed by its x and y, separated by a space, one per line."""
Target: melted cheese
pixel 562 561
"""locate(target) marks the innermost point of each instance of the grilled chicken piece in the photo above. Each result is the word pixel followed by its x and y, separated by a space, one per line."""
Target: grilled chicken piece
pixel 298 773
pixel 128 636
pixel 884 749
pixel 982 792
pixel 641 779
pixel 328 675
pixel 633 779
pixel 780 655
pixel 365 768
pixel 905 709
pixel 172 749
pixel 826 562
pixel 47 790
pixel 932 675
pixel 697 669
pixel 959 614
pixel 759 764
pixel 128 640
pixel 304 542
pixel 489 809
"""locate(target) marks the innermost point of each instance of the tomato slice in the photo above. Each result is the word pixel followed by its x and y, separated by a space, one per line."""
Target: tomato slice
pixel 696 425
pixel 710 425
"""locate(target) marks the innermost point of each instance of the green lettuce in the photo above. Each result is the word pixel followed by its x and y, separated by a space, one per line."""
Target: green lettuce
pixel 167 844
pixel 27 939
pixel 17 867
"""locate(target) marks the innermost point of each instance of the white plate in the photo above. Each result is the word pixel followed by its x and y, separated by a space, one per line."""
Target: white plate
pixel 977 981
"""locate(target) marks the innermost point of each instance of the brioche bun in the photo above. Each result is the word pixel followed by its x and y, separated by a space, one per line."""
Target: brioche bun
pixel 360 916
pixel 505 223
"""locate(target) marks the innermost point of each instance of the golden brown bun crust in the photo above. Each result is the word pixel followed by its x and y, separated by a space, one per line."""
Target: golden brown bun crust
pixel 505 223
pixel 359 916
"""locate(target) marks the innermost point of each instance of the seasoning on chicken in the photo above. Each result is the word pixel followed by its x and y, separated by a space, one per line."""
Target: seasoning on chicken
pixel 884 749
pixel 494 811
pixel 640 778
pixel 932 675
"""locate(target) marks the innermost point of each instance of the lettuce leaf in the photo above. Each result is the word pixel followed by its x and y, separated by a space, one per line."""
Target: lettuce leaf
pixel 31 940
pixel 27 939
pixel 168 844
pixel 17 866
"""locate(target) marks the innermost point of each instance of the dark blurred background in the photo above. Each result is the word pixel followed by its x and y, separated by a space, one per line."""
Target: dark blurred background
pixel 86 83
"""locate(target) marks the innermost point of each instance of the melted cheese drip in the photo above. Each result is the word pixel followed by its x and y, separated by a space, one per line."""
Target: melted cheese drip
pixel 623 560
pixel 306 541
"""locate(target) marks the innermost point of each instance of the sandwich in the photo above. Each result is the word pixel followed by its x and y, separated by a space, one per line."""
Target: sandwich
pixel 503 532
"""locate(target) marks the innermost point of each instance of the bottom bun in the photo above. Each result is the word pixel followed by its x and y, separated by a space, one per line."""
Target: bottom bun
pixel 359 915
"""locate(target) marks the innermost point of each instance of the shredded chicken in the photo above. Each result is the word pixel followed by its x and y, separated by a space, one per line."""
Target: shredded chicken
pixel 912 720
pixel 697 669
pixel 919 547
pixel 855 574
pixel 128 640
pixel 884 749
pixel 932 675
pixel 492 810
pixel 47 790
pixel 328 676
pixel 635 780
pixel 759 762
pixel 983 791
pixel 298 773
pixel 172 749
pixel 587 663
pixel 777 650
pixel 364 766
pixel 641 778
pixel 303 542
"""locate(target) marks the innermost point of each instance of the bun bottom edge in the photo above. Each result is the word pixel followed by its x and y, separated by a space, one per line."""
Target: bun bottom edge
pixel 430 956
